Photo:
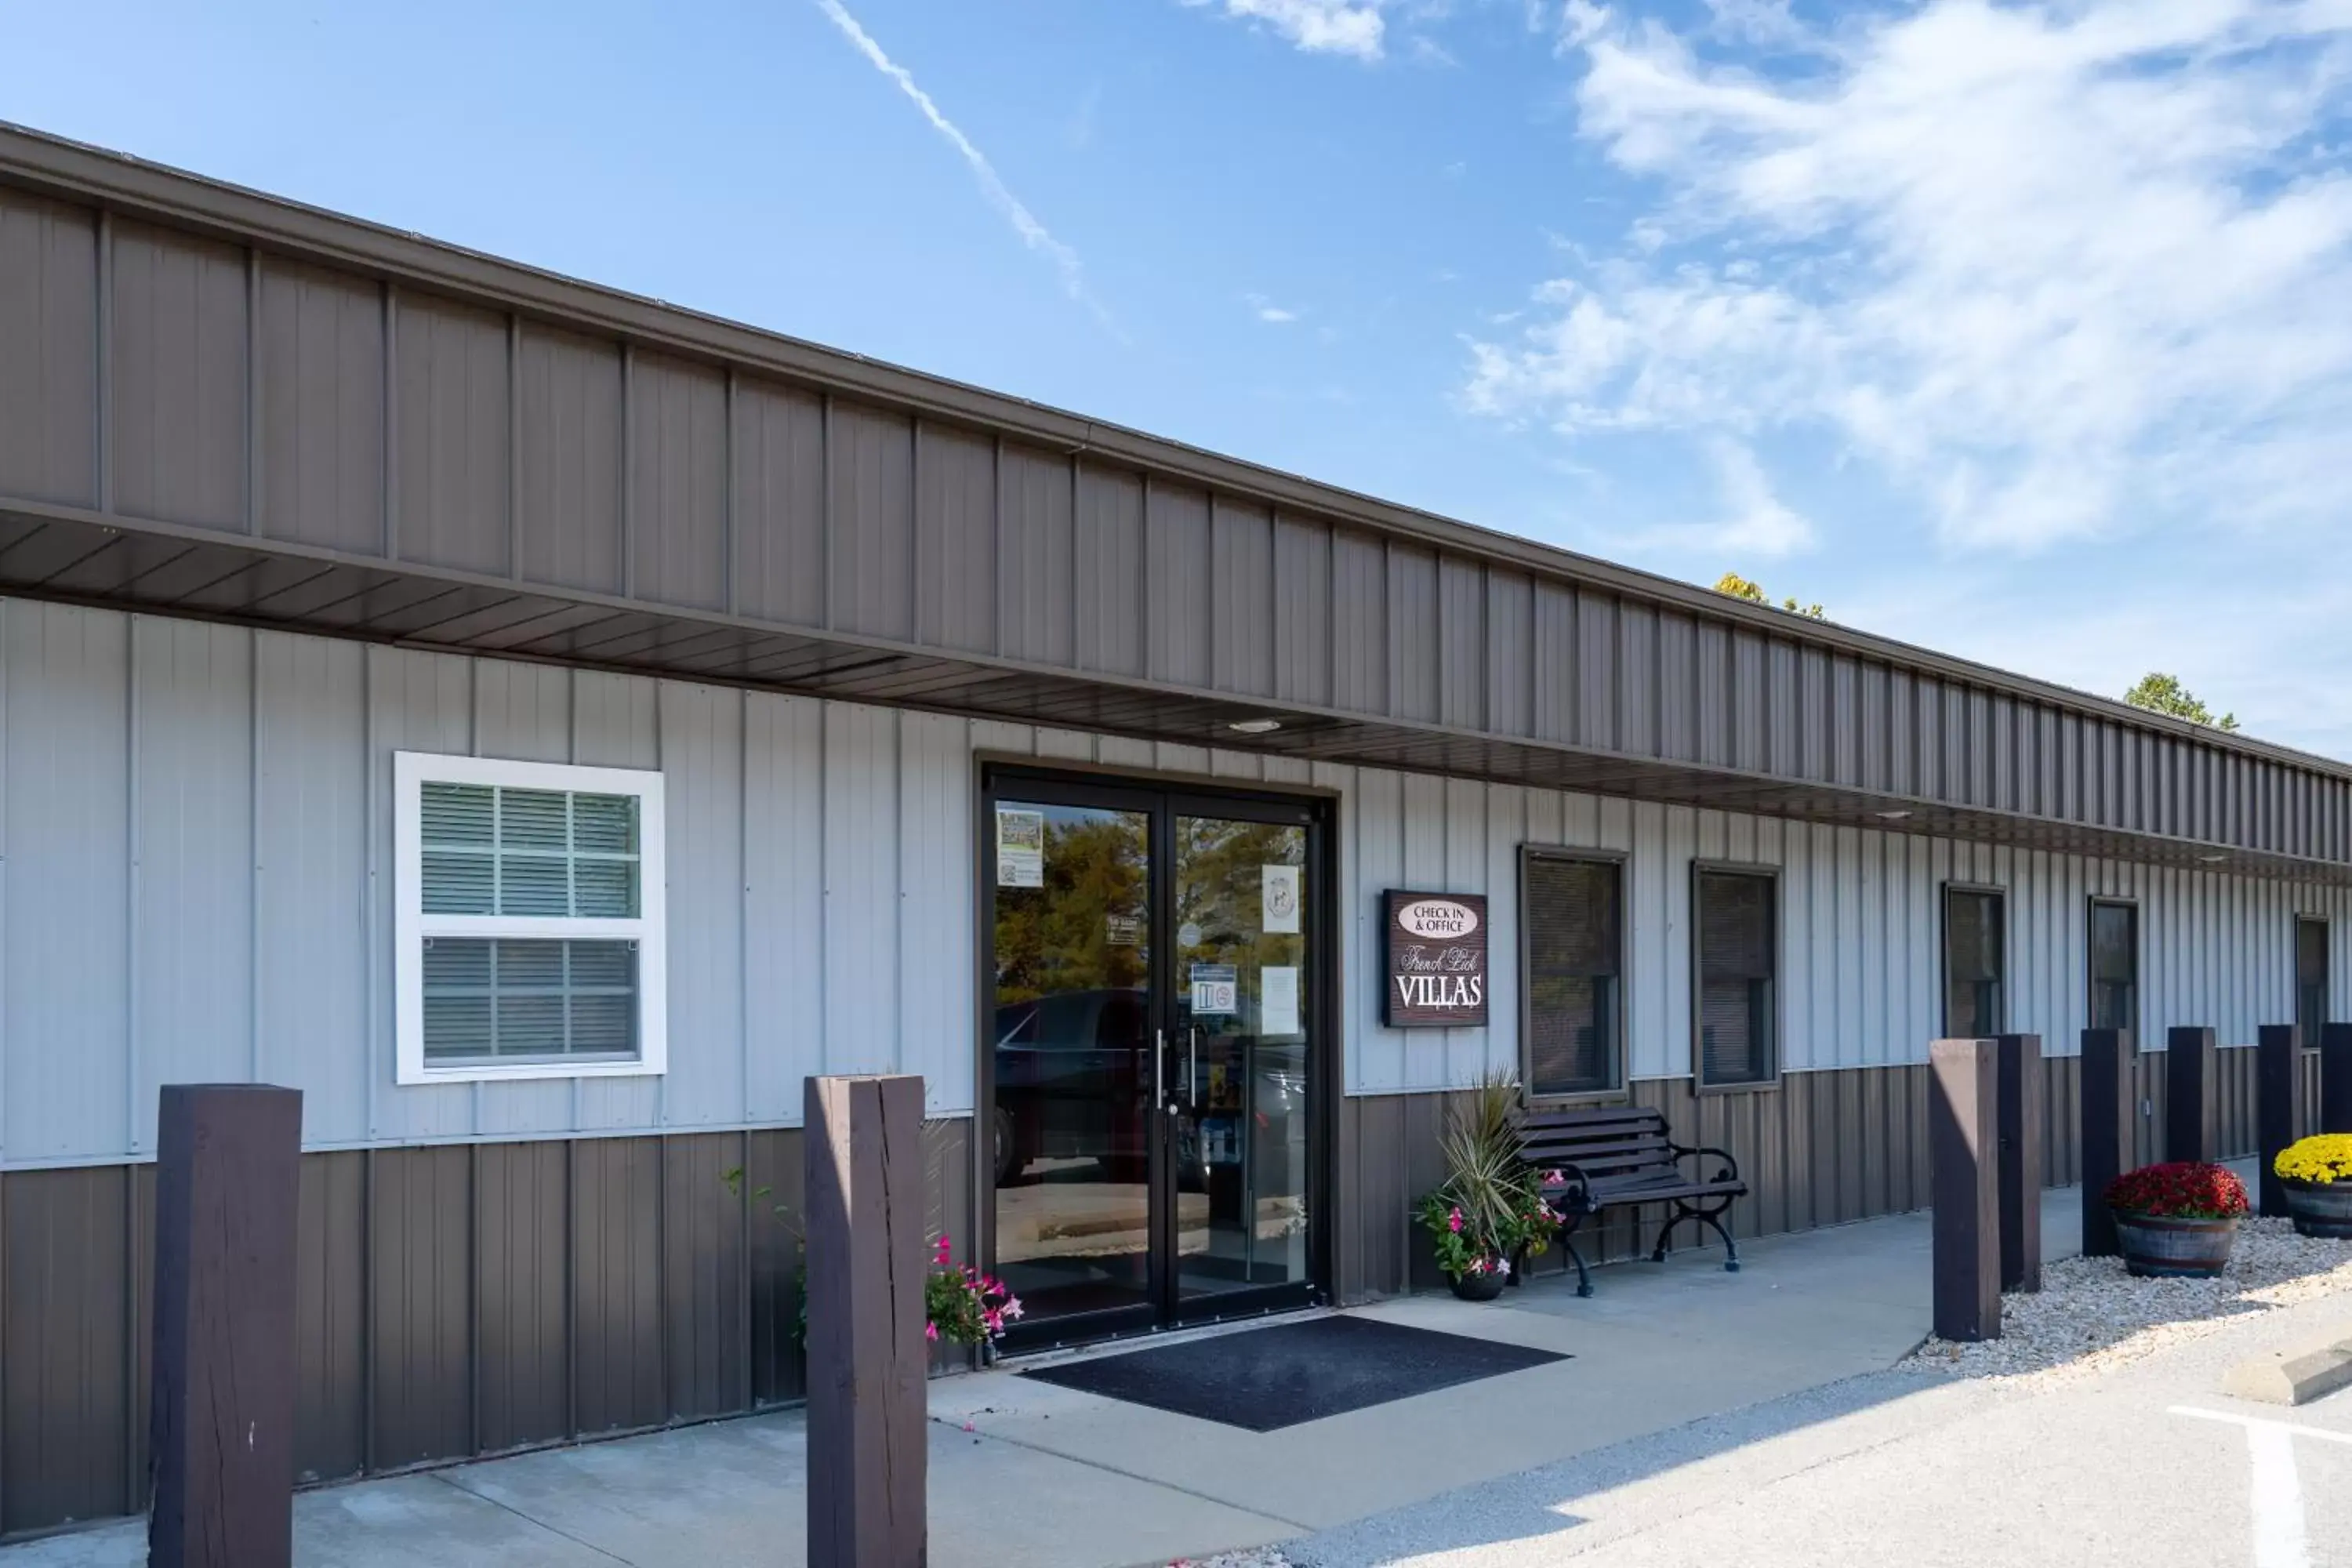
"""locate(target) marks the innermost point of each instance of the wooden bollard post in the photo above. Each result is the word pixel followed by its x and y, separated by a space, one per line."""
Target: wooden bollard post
pixel 866 1261
pixel 2278 1105
pixel 2192 1094
pixel 227 1185
pixel 2110 1107
pixel 2022 1118
pixel 2335 1078
pixel 1963 1141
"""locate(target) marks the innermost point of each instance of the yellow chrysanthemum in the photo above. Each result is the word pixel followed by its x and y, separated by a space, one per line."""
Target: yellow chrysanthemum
pixel 2325 1159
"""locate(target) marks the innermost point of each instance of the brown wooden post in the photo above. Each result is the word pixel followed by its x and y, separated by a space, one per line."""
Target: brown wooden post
pixel 2192 1094
pixel 1963 1140
pixel 227 1182
pixel 2110 1106
pixel 2335 1078
pixel 2022 1118
pixel 866 1261
pixel 2278 1105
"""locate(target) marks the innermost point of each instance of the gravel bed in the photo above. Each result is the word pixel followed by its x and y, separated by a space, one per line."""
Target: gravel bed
pixel 2091 1316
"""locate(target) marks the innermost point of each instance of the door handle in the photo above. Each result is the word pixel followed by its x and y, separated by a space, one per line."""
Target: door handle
pixel 1159 1069
pixel 1191 1065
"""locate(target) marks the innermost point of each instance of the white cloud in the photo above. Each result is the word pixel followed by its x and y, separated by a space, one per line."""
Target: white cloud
pixel 2059 271
pixel 1025 223
pixel 1320 27
pixel 1753 521
pixel 1266 311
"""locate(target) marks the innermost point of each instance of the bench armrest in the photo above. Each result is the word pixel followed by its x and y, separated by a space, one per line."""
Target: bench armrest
pixel 1686 1150
pixel 1573 1183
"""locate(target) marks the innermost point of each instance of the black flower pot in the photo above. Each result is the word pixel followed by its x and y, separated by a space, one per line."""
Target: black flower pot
pixel 2160 1247
pixel 1484 1287
pixel 2320 1208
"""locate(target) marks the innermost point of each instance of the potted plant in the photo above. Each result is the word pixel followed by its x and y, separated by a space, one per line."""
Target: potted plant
pixel 2318 1174
pixel 963 1306
pixel 1490 1213
pixel 2177 1220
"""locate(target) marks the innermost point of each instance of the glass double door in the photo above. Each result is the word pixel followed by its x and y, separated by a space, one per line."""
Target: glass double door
pixel 1154 1047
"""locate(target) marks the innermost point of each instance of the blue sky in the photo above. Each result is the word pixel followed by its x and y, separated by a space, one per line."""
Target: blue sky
pixel 2017 330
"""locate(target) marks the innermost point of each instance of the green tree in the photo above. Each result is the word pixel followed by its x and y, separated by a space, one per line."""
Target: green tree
pixel 1738 588
pixel 2160 693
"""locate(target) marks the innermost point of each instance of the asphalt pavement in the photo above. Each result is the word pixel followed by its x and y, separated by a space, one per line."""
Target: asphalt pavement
pixel 2149 1466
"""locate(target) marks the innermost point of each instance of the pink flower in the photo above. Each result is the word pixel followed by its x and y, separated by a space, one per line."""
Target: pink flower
pixel 1477 1266
pixel 1503 1267
pixel 1013 1305
pixel 940 1255
pixel 1453 1221
pixel 931 1331
pixel 1554 1179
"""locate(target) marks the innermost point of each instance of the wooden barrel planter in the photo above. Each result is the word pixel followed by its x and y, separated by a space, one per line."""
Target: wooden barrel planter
pixel 2160 1247
pixel 2320 1208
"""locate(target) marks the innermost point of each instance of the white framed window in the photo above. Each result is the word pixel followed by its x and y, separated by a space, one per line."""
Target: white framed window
pixel 528 920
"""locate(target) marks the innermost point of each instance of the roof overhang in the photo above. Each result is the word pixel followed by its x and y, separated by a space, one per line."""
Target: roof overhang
pixel 75 555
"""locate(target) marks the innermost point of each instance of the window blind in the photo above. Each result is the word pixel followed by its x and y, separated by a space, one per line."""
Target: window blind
pixel 1736 974
pixel 1572 910
pixel 1973 963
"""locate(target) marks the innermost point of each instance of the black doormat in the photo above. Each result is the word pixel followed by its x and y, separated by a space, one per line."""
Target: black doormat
pixel 1266 1379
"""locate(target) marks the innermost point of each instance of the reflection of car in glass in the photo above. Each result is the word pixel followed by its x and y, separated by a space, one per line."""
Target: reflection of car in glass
pixel 1072 1077
pixel 1074 1080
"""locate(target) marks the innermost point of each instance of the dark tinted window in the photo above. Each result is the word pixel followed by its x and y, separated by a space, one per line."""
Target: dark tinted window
pixel 1574 960
pixel 1973 965
pixel 2114 966
pixel 2311 978
pixel 1737 970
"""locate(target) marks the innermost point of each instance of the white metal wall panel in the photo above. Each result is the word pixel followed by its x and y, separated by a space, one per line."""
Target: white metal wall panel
pixel 702 768
pixel 310 822
pixel 196 882
pixel 616 722
pixel 65 939
pixel 192 875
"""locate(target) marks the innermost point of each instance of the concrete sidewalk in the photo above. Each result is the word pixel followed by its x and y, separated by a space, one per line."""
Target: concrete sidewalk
pixel 1024 1471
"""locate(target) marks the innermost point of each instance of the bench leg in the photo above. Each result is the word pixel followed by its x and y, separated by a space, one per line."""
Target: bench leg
pixel 1568 1246
pixel 1666 1235
pixel 1706 1217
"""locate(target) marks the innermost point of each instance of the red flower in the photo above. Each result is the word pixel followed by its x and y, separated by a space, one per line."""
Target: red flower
pixel 2179 1189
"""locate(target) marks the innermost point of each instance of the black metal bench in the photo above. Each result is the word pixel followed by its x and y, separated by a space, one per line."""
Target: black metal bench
pixel 1621 1157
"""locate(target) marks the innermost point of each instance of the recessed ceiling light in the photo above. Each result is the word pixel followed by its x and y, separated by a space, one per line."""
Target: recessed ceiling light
pixel 1255 726
pixel 1894 815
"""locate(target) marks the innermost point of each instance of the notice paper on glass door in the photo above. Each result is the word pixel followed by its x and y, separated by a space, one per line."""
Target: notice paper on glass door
pixel 1278 899
pixel 1278 1001
pixel 1020 848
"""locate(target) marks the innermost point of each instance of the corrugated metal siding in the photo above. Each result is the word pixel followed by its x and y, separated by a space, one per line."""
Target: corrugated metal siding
pixel 319 470
pixel 451 1301
pixel 48 370
pixel 245 391
pixel 197 885
pixel 177 377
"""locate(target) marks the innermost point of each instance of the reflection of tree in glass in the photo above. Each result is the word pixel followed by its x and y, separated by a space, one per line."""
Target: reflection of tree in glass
pixel 1059 936
pixel 1220 889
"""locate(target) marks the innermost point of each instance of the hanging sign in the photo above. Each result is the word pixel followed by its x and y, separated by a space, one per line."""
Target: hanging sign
pixel 1020 848
pixel 1435 959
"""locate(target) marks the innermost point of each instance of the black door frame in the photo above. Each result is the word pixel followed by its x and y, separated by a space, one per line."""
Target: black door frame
pixel 1163 798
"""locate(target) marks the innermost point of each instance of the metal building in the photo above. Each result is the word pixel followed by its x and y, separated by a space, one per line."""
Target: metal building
pixel 815 715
